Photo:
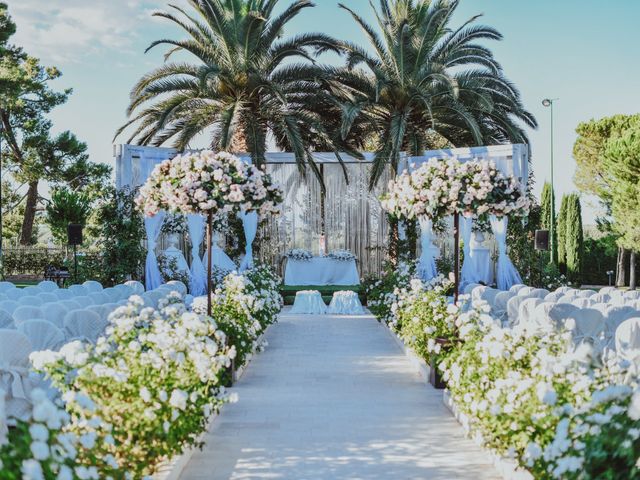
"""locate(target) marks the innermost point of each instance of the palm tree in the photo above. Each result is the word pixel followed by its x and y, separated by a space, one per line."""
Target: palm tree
pixel 423 81
pixel 244 85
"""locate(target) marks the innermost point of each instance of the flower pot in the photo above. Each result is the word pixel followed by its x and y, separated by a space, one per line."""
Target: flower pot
pixel 435 378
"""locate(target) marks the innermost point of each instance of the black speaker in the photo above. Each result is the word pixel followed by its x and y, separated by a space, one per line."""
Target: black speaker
pixel 542 240
pixel 74 234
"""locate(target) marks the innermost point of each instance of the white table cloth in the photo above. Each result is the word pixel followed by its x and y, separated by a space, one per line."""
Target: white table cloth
pixel 308 302
pixel 345 302
pixel 321 271
pixel 482 265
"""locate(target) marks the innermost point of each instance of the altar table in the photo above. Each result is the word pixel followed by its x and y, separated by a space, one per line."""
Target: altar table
pixel 321 271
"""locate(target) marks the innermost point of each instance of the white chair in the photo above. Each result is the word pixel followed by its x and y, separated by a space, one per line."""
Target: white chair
pixel 601 307
pixel 566 298
pixel 9 305
pixel 182 288
pixel 78 290
pixel 26 312
pixel 564 289
pixel 84 301
pixel 138 288
pixel 559 313
pixel 55 313
pixel 47 297
pixel 539 293
pixel 586 293
pixel 6 320
pixel 614 316
pixel 113 294
pixel 6 286
pixel 92 286
pixel 125 291
pixel 17 294
pixel 513 308
pixel 30 300
pixel 63 294
pixel 627 340
pixel 632 295
pixel 582 302
pixel 608 290
pixel 47 286
pixel 31 290
pixel 84 324
pixel 468 289
pixel 516 288
pixel 15 348
pixel 70 305
pixel 42 334
pixel 589 325
pixel 525 310
pixel 525 291
pixel 475 292
pixel 152 298
pixel 100 298
pixel 600 298
pixel 100 310
pixel 188 300
pixel 618 301
pixel 499 309
pixel 489 295
pixel 553 297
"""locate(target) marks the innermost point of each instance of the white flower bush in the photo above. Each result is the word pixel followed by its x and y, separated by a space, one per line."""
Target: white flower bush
pixel 244 306
pixel 39 448
pixel 145 391
pixel 299 254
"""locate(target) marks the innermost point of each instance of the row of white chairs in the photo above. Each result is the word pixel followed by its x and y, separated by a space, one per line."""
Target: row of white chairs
pixel 596 317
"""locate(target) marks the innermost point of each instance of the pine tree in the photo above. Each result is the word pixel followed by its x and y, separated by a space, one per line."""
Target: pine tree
pixel 547 204
pixel 574 239
pixel 561 227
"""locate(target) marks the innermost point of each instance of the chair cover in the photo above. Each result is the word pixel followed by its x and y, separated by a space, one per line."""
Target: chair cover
pixel 476 292
pixel 614 316
pixel 71 305
pixel 553 297
pixel 308 302
pixel 126 291
pixel 6 286
pixel 152 275
pixel 525 291
pixel 78 290
pixel 525 310
pixel 31 300
pixel 513 308
pixel 515 288
pixel 15 348
pixel 48 297
pixel 42 334
pixel 31 290
pixel 178 286
pixel 468 289
pixel 152 298
pixel 539 318
pixel 567 298
pixel 99 309
pixel 64 294
pixel 55 313
pixel 600 298
pixel 6 320
pixel 250 224
pixel 47 286
pixel 564 289
pixel 582 302
pixel 601 307
pixel 589 323
pixel 114 294
pixel 198 279
pixel 100 297
pixel 608 290
pixel 92 286
pixel 427 264
pixel 559 313
pixel 499 309
pixel 9 305
pixel 84 300
pixel 16 294
pixel 632 294
pixel 586 293
pixel 84 324
pixel 628 339
pixel 26 312
pixel 506 273
pixel 138 288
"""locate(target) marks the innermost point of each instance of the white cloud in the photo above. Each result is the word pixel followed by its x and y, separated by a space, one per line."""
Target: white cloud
pixel 69 31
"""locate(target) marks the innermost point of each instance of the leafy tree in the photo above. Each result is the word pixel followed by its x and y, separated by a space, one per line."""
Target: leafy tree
pixel 561 228
pixel 622 167
pixel 422 76
pixel 31 152
pixel 547 205
pixel 65 207
pixel 121 237
pixel 574 238
pixel 243 86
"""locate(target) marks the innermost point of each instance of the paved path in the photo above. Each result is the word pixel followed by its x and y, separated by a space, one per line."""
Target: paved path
pixel 334 398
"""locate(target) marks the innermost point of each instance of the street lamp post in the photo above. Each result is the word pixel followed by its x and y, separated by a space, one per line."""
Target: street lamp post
pixel 548 102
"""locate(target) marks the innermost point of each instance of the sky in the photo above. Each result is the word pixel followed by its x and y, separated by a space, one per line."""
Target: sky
pixel 582 52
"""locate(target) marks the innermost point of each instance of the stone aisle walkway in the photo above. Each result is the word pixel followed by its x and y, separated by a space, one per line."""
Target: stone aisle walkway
pixel 334 398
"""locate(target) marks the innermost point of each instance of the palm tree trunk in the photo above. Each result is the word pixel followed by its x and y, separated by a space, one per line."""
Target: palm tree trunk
pixel 632 270
pixel 239 142
pixel 394 241
pixel 620 274
pixel 29 214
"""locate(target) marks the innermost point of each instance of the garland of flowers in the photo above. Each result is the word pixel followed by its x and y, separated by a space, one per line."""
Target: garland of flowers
pixel 208 182
pixel 299 254
pixel 341 255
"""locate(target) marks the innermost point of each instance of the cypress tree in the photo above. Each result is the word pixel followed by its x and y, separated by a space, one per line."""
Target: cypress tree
pixel 547 205
pixel 574 239
pixel 561 224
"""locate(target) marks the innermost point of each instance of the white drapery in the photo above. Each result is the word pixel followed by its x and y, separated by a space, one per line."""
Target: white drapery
pixel 250 223
pixel 506 273
pixel 468 274
pixel 427 265
pixel 152 275
pixel 198 282
pixel 219 259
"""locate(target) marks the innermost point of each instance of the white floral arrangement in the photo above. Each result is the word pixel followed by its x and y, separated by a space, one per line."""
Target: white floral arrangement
pixel 208 182
pixel 299 254
pixel 153 371
pixel 341 255
pixel 40 448
pixel 440 188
